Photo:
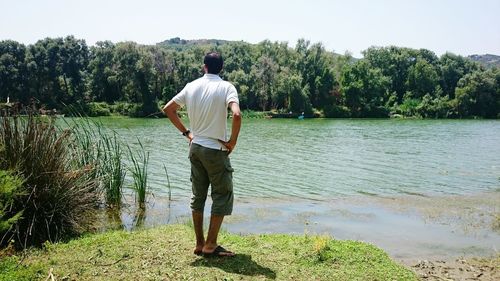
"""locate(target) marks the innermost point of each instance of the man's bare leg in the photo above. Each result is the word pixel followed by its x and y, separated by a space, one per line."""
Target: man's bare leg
pixel 198 230
pixel 213 232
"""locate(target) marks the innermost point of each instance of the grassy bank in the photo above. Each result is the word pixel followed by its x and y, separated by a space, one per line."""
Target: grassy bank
pixel 165 253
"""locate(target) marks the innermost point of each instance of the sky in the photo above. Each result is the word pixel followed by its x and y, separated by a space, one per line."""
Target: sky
pixel 463 27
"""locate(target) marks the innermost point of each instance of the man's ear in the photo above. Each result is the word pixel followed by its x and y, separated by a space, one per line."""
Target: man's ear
pixel 205 68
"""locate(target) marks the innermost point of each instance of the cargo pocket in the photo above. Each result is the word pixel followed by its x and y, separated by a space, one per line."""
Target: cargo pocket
pixel 228 175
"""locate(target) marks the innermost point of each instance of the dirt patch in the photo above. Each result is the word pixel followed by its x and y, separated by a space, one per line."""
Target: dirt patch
pixel 484 269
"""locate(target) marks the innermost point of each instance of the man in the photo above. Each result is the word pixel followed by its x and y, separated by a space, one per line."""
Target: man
pixel 207 99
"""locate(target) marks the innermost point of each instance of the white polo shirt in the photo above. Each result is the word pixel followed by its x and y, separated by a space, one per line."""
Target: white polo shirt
pixel 207 99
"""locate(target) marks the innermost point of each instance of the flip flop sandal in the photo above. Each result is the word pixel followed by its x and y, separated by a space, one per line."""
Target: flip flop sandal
pixel 218 252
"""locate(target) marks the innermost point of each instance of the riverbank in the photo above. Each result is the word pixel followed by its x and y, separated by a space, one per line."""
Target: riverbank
pixel 165 253
pixel 409 227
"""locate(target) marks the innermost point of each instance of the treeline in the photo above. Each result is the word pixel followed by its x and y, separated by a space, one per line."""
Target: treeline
pixel 136 79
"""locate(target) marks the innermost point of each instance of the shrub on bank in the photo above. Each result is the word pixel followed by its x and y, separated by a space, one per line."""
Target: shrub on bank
pixel 57 193
pixel 121 108
pixel 336 111
pixel 98 109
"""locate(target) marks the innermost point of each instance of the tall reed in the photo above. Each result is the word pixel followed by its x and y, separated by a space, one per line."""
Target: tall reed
pixel 112 169
pixel 101 148
pixel 139 172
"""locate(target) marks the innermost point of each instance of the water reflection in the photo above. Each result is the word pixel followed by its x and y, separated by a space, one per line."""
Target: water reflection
pixel 130 215
pixel 114 218
pixel 140 216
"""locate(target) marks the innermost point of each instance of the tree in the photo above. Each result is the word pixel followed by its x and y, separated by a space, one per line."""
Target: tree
pixel 241 82
pixel 477 94
pixel 102 73
pixel 364 89
pixel 394 62
pixel 315 66
pixel 422 79
pixel 452 69
pixel 238 56
pixel 44 72
pixel 143 79
pixel 74 60
pixel 264 74
pixel 12 71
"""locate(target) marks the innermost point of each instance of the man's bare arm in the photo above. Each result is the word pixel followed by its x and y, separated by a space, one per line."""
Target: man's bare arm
pixel 235 128
pixel 170 109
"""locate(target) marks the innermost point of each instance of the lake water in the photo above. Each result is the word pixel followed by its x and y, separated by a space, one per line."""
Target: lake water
pixel 332 176
pixel 321 159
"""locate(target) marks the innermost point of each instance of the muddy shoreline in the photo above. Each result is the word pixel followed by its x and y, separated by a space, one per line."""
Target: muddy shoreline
pixel 453 237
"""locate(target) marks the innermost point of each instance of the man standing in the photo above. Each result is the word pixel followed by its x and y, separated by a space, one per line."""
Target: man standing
pixel 207 99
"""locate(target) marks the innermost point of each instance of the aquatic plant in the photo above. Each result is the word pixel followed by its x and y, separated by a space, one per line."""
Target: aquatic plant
pixel 101 148
pixel 112 169
pixel 139 172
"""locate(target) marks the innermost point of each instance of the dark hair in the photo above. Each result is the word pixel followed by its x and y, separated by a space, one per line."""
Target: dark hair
pixel 214 62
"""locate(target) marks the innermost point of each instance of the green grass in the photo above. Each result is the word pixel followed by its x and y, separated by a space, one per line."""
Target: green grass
pixel 165 253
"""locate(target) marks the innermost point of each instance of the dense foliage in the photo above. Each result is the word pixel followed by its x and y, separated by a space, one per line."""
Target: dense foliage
pixel 134 79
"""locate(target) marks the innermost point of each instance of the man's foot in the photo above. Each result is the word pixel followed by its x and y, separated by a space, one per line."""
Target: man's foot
pixel 198 250
pixel 219 251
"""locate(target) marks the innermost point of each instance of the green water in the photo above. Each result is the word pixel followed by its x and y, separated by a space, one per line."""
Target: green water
pixel 321 159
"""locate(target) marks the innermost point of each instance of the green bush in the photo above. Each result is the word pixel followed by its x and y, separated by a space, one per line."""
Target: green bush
pixel 10 189
pixel 122 108
pixel 136 111
pixel 58 194
pixel 336 111
pixel 246 113
pixel 98 109
pixel 143 110
pixel 408 108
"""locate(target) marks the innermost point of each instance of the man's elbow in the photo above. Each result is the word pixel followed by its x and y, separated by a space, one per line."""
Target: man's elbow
pixel 165 110
pixel 237 116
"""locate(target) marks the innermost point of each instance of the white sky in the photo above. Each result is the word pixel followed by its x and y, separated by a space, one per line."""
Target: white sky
pixel 463 27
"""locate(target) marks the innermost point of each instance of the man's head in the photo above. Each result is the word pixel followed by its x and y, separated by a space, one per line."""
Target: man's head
pixel 213 62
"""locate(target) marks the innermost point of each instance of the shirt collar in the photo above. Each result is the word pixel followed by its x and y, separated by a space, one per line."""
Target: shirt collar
pixel 211 76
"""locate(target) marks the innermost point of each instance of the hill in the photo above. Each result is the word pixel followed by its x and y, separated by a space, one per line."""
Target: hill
pixel 182 44
pixel 488 60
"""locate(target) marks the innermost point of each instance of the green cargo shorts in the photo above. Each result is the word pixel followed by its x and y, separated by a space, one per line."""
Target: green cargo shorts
pixel 211 167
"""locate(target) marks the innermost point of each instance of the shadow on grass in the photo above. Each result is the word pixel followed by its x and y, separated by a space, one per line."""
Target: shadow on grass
pixel 239 264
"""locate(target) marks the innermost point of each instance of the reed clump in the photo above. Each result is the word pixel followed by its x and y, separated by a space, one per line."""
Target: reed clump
pixel 58 192
pixel 97 146
pixel 139 170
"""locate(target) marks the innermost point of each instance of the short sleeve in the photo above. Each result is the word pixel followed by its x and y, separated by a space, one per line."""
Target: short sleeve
pixel 232 95
pixel 180 98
